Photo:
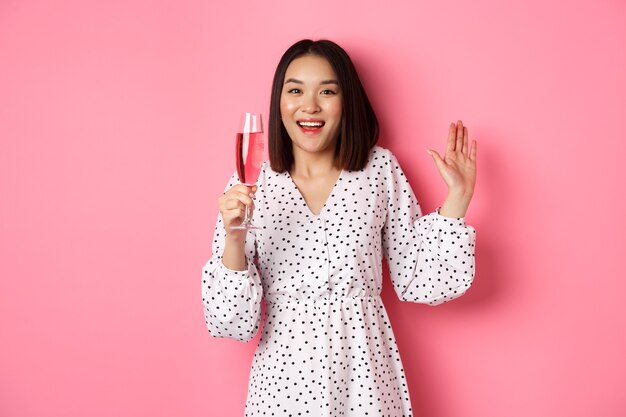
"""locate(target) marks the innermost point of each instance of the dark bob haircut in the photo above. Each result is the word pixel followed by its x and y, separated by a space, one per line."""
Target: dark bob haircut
pixel 359 125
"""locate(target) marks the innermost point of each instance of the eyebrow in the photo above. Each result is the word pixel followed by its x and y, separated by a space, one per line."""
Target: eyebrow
pixel 295 81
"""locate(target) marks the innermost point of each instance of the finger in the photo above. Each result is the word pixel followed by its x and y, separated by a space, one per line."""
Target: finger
pixel 234 201
pixel 242 188
pixel 473 150
pixel 458 146
pixel 451 138
pixel 240 194
pixel 229 200
pixel 234 214
pixel 233 218
pixel 465 139
pixel 438 160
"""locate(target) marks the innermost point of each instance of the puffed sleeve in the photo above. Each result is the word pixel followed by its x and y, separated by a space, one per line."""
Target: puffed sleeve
pixel 232 299
pixel 431 258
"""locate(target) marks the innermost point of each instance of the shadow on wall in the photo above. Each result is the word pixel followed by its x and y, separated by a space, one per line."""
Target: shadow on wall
pixel 427 385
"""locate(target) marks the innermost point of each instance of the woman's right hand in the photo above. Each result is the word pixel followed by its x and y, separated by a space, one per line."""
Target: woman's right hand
pixel 232 205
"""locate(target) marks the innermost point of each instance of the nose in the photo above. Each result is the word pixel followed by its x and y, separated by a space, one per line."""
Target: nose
pixel 309 104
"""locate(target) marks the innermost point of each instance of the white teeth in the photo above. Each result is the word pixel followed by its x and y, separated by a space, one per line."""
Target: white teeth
pixel 311 124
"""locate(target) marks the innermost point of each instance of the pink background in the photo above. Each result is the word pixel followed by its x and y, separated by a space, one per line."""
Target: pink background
pixel 116 127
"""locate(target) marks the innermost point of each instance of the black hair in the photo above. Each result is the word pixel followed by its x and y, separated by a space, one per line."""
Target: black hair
pixel 359 125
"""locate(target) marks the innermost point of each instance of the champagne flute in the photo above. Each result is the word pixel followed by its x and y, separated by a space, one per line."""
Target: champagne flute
pixel 250 152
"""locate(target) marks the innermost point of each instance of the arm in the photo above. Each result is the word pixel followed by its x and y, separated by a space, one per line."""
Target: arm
pixel 231 285
pixel 431 258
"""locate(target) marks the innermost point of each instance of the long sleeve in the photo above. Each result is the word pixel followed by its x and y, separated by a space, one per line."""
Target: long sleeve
pixel 232 299
pixel 431 258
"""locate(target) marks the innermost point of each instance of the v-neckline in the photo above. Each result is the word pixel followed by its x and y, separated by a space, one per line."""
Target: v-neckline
pixel 328 198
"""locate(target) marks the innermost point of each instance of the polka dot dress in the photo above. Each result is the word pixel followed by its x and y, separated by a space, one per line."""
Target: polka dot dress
pixel 327 347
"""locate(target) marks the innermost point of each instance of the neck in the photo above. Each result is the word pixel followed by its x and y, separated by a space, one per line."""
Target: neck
pixel 308 165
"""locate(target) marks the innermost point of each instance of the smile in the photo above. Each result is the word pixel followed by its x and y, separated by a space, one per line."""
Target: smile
pixel 310 124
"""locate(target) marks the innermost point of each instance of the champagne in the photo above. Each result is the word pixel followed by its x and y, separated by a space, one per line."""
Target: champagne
pixel 250 153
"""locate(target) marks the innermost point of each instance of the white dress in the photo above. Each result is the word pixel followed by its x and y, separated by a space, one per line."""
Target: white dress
pixel 327 348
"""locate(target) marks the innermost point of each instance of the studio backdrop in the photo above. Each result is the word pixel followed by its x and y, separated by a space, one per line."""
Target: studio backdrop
pixel 117 122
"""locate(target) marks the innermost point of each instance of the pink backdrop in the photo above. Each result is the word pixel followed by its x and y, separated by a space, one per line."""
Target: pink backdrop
pixel 116 125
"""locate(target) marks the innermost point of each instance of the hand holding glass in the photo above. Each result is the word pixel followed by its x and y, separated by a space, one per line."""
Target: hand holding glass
pixel 250 153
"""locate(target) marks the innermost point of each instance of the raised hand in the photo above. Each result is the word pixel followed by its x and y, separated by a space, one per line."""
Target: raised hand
pixel 458 170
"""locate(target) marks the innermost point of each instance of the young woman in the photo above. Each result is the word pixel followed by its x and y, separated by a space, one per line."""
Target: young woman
pixel 332 204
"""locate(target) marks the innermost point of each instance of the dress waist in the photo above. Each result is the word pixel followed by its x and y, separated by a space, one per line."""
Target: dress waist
pixel 281 298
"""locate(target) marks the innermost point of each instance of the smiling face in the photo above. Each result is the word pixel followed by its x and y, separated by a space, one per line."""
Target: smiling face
pixel 311 106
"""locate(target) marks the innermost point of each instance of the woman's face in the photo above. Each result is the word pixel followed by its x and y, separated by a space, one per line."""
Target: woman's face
pixel 310 105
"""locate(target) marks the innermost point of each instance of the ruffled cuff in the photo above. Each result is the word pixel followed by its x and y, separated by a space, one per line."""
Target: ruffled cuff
pixel 231 300
pixel 454 222
pixel 221 268
pixel 449 239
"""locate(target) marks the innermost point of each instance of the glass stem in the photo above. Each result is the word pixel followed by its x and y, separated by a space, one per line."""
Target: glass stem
pixel 246 218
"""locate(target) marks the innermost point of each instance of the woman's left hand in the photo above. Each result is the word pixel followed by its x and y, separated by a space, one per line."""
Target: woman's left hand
pixel 458 170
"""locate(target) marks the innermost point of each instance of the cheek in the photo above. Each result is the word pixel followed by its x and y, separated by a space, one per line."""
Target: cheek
pixel 286 106
pixel 335 109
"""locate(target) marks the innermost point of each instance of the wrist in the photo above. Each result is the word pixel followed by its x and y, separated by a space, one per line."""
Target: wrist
pixel 461 194
pixel 455 204
pixel 236 237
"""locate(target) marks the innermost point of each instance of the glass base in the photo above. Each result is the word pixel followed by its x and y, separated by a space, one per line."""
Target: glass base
pixel 245 226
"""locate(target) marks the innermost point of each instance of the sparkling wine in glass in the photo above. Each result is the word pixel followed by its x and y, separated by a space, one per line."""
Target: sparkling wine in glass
pixel 250 153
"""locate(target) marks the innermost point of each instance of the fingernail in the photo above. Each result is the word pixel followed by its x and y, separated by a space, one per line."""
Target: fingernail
pixel 429 152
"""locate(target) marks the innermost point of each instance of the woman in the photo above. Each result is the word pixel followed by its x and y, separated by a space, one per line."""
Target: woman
pixel 332 204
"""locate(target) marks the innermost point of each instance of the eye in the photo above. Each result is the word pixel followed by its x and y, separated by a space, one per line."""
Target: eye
pixel 328 92
pixel 294 91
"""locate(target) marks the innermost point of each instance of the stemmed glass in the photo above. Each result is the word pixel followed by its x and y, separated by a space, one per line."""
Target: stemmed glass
pixel 250 153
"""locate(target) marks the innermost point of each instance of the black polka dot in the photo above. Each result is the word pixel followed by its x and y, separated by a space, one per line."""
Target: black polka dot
pixel 327 347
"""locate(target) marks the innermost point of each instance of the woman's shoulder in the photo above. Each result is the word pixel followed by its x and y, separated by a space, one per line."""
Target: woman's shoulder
pixel 378 153
pixel 267 171
pixel 382 152
pixel 268 175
